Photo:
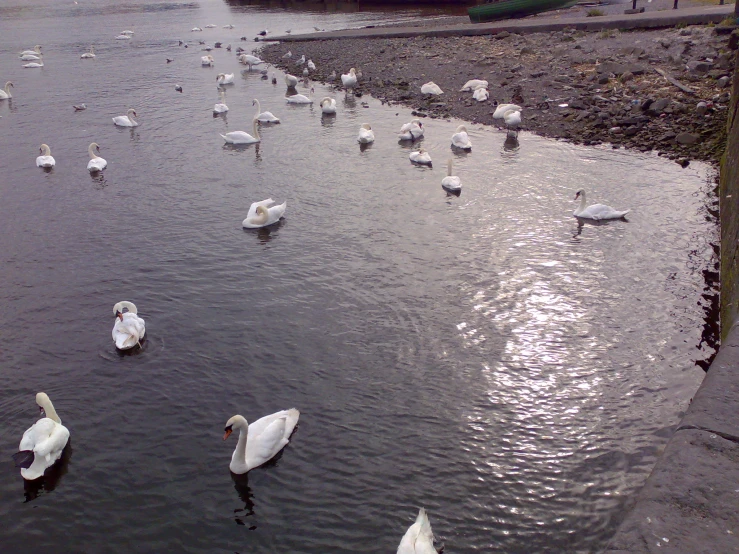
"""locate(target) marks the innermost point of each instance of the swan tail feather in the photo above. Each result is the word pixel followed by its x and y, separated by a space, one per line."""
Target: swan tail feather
pixel 23 459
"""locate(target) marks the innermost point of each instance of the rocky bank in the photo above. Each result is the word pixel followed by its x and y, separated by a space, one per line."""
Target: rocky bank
pixel 587 87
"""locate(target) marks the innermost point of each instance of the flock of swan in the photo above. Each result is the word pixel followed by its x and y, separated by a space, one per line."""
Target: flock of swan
pixel 42 444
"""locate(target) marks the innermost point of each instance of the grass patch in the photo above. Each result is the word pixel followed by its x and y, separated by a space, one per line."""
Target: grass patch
pixel 595 12
pixel 607 33
pixel 728 22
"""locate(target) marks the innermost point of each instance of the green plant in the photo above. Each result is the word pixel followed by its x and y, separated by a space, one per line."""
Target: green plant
pixel 728 22
pixel 681 25
pixel 595 12
pixel 607 33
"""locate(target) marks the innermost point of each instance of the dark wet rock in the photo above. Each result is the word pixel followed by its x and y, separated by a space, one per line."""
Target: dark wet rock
pixel 658 106
pixel 687 138
pixel 502 34
pixel 536 74
pixel 699 67
pixel 626 77
pixel 701 108
pixel 724 81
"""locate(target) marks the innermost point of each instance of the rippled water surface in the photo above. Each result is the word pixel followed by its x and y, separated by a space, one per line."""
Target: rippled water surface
pixel 482 356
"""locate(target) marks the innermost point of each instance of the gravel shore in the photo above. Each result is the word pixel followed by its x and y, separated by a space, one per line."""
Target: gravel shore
pixel 586 87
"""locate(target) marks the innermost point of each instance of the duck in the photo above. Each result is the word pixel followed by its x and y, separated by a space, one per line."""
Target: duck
pixel 42 444
pixel 420 157
pixel 90 54
pixel 178 88
pixel 129 328
pixel 263 117
pixel 35 52
pixel 411 130
pixel 328 106
pixel 596 211
pixel 5 92
pixel 501 110
pixel 311 65
pixel 262 214
pixel 299 99
pixel 474 84
pixel 126 120
pixel 96 163
pixel 248 59
pixel 30 57
pixel 481 94
pixel 366 134
pixel 32 65
pixel 291 80
pixel 263 33
pixel 451 182
pixel 349 80
pixel 460 138
pixel 431 88
pixel 225 79
pixel 301 61
pixel 260 441
pixel 207 61
pixel 418 539
pixel 287 55
pixel 45 159
pixel 242 137
pixel 220 107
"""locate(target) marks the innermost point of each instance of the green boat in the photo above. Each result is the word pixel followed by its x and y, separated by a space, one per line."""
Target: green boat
pixel 505 9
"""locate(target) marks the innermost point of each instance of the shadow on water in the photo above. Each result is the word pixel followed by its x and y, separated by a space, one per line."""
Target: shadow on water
pixel 52 476
pixel 241 484
pixel 583 221
pixel 264 234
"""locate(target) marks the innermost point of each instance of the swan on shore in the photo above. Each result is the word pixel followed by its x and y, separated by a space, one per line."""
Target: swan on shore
pixel 262 214
pixel 126 120
pixel 418 539
pixel 460 139
pixel 431 88
pixel 451 182
pixel 328 106
pixel 502 109
pixel 225 79
pixel 129 328
pixel 596 211
pixel 411 130
pixel 512 119
pixel 260 441
pixel 349 80
pixel 42 443
pixel 300 98
pixel 264 117
pixel 96 163
pixel 481 94
pixel 45 159
pixel 291 80
pixel 420 156
pixel 90 54
pixel 242 137
pixel 207 61
pixel 220 107
pixel 366 134
pixel 5 93
pixel 474 84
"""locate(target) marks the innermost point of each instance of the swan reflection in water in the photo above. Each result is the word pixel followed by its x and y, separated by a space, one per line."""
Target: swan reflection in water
pixel 52 476
pixel 511 142
pixel 241 484
pixel 264 234
pixel 582 222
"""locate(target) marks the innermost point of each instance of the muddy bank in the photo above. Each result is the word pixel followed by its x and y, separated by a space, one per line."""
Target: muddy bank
pixel 586 87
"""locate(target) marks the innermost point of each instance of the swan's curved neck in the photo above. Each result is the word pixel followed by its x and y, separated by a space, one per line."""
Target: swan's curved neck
pixel 259 109
pixel 256 129
pixel 46 150
pixel 91 151
pixel 7 87
pixel 582 202
pixel 130 116
pixel 449 168
pixel 261 217
pixel 240 452
pixel 50 411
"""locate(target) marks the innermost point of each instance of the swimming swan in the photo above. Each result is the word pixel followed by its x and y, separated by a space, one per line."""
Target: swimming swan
pixel 39 63
pixel 90 54
pixel 207 61
pixel 35 52
pixel 349 80
pixel 451 182
pixel 248 59
pixel 42 444
pixel 260 441
pixel 512 119
pixel 225 79
pixel 596 211
pixel 221 107
pixel 420 157
pixel 418 539
pixel 460 139
pixel 366 134
pixel 126 120
pixel 45 159
pixel 30 57
pixel 411 131
pixel 473 85
pixel 242 137
pixel 263 213
pixel 291 80
pixel 300 99
pixel 123 37
pixel 328 106
pixel 96 163
pixel 5 93
pixel 264 117
pixel 431 88
pixel 129 328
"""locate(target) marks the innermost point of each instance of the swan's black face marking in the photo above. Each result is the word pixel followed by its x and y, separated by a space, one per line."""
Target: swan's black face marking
pixel 41 410
pixel 229 430
pixel 577 195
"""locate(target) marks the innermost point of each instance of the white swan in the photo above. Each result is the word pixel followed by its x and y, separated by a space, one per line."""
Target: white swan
pixel 242 137
pixel 420 157
pixel 260 441
pixel 264 117
pixel 460 139
pixel 411 130
pixel 35 64
pixel 126 120
pixel 328 106
pixel 301 61
pixel 5 93
pixel 45 159
pixel 596 211
pixel 512 119
pixel 195 29
pixel 311 65
pixel 35 52
pixel 123 37
pixel 473 85
pixel 481 94
pixel 96 163
pixel 30 57
pixel 127 32
pixel 366 134
pixel 207 61
pixel 211 26
pixel 451 182
pixel 225 79
pixel 129 328
pixel 300 99
pixel 291 80
pixel 248 59
pixel 90 54
pixel 418 539
pixel 263 213
pixel 349 80
pixel 501 110
pixel 42 444
pixel 221 107
pixel 229 26
pixel 431 88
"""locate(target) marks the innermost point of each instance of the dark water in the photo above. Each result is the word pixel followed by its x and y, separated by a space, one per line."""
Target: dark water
pixel 481 356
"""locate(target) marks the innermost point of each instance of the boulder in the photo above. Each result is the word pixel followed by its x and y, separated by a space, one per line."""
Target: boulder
pixel 687 138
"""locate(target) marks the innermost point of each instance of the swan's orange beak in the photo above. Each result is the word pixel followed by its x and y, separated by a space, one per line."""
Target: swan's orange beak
pixel 577 195
pixel 119 315
pixel 227 433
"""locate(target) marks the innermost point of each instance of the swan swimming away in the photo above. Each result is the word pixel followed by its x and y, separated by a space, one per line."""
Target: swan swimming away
pixel 366 134
pixel 420 157
pixel 225 78
pixel 474 84
pixel 90 54
pixel 418 539
pixel 328 106
pixel 126 120
pixel 411 131
pixel 260 441
pixel 207 61
pixel 501 110
pixel 35 64
pixel 299 99
pixel 96 163
pixel 242 137
pixel 481 94
pixel 262 214
pixel 129 328
pixel 451 182
pixel 30 57
pixel 35 52
pixel 5 93
pixel 291 80
pixel 42 444
pixel 45 159
pixel 349 80
pixel 264 117
pixel 431 88
pixel 221 107
pixel 596 211
pixel 460 139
